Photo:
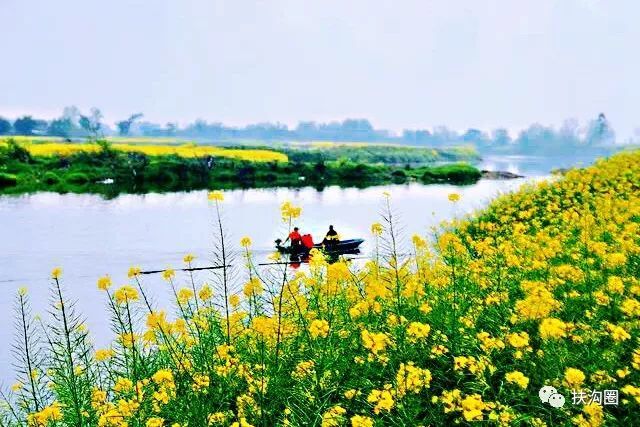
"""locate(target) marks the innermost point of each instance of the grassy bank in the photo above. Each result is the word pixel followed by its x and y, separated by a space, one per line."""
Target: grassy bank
pixel 390 154
pixel 540 289
pixel 125 168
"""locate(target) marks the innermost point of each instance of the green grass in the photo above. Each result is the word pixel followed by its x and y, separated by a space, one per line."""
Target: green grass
pixel 85 172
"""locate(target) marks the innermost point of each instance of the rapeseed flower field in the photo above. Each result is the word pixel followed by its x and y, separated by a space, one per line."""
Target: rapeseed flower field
pixel 542 288
pixel 189 150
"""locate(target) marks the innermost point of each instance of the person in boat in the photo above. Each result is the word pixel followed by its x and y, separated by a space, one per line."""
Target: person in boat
pixel 331 238
pixel 295 237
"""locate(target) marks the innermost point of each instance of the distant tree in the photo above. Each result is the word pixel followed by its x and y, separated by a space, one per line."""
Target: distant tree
pixel 124 126
pixel 60 127
pixel 569 133
pixel 91 124
pixel 5 126
pixel 171 128
pixel 599 131
pixel 150 129
pixel 474 136
pixel 416 136
pixel 306 130
pixel 356 129
pixel 25 125
pixel 537 137
pixel 444 136
pixel 72 113
pixel 500 137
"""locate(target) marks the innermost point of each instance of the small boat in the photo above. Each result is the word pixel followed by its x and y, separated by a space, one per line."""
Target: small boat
pixel 342 247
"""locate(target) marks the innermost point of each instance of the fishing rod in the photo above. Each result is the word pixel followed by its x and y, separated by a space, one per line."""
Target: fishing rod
pixel 213 267
pixel 84 276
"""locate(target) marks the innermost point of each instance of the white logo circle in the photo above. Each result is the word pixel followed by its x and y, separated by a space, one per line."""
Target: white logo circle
pixel 546 392
pixel 556 400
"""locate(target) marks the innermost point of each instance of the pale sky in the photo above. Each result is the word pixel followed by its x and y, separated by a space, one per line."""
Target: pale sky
pixel 401 64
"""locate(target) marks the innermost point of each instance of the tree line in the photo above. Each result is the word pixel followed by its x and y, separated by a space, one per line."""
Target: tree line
pixel 75 124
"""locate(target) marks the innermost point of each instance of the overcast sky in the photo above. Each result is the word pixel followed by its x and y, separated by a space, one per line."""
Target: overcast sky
pixel 401 64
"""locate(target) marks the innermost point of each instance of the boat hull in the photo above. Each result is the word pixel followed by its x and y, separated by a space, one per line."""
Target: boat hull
pixel 350 246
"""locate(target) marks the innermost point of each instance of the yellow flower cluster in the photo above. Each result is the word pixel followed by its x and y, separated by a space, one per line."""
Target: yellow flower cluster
pixel 289 211
pixel 185 150
pixel 381 399
pixel 417 331
pixel 518 378
pixel 126 294
pixel 319 328
pixel 51 413
pixel 375 342
pixel 411 379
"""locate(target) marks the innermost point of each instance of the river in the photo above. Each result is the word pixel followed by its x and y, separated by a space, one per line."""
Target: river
pixel 88 236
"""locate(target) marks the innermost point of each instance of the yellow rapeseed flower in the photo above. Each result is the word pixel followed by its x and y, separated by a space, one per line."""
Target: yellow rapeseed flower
pixel 552 328
pixel 453 197
pixel 376 229
pixel 361 421
pixel 245 242
pixel 155 422
pixel 382 400
pixel 126 294
pixel 104 283
pixel 216 196
pixel 518 378
pixel 184 295
pixel 319 328
pixel 104 354
pixel 417 331
pixel 573 378
pixel 234 300
pixel 133 272
pixel 168 274
pixel 205 293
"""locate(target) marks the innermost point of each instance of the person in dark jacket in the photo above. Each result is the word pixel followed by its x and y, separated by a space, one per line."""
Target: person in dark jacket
pixel 331 238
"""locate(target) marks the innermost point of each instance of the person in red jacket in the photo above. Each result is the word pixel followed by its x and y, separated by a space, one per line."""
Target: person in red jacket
pixel 295 237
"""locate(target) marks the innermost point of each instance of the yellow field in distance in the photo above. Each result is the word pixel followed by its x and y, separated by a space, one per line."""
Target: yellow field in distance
pixel 184 150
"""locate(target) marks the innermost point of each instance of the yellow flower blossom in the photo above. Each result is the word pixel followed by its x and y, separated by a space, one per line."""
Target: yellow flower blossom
pixel 518 378
pixel 133 272
pixel 375 342
pixel 319 328
pixel 552 328
pixel 417 331
pixel 382 400
pixel 126 294
pixel 104 283
pixel 573 378
pixel 376 229
pixel 216 196
pixel 154 422
pixel 361 421
pixel 205 293
pixel 168 274
pixel 453 197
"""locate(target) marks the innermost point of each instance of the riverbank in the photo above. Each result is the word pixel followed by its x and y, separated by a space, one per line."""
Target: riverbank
pixel 106 169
